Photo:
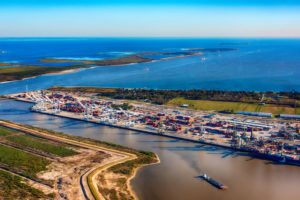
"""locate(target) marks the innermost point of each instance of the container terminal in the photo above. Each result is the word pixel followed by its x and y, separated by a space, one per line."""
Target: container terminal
pixel 263 137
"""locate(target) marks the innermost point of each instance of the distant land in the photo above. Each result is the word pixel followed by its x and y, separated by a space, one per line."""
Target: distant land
pixel 19 71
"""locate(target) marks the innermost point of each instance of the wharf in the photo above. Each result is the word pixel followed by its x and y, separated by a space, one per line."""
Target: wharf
pixel 164 134
pixel 173 135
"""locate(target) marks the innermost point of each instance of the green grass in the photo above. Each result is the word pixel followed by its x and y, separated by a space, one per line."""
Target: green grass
pixel 40 144
pixel 13 188
pixel 233 106
pixel 22 162
pixel 214 105
pixel 127 168
pixel 5 131
pixel 297 111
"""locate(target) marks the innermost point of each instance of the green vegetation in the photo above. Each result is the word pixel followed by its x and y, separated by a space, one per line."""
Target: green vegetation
pixel 144 157
pixel 125 170
pixel 5 131
pixel 40 144
pixel 21 72
pixel 233 106
pixel 124 106
pixel 291 99
pixel 228 101
pixel 116 61
pixel 128 167
pixel 14 188
pixel 21 162
pixel 29 165
pixel 120 61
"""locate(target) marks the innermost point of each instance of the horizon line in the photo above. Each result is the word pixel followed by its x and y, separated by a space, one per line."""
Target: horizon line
pixel 164 37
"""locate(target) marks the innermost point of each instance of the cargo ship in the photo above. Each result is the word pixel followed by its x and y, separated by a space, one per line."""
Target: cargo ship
pixel 276 157
pixel 213 182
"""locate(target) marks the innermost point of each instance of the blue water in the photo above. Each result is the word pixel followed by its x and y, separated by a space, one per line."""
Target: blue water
pixel 257 64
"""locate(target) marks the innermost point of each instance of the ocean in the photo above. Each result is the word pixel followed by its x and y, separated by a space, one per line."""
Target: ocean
pixel 255 65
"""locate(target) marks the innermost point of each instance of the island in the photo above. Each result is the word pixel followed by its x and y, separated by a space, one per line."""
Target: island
pixel 19 71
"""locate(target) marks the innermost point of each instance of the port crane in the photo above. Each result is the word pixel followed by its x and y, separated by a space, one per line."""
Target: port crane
pixel 88 110
pixel 40 101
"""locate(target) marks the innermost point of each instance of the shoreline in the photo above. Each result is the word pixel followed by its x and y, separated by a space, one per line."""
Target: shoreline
pixel 74 70
pixel 92 173
pixel 68 71
pixel 129 183
pixel 184 138
pixel 243 150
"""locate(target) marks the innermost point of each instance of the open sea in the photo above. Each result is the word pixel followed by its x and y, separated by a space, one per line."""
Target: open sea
pixel 255 65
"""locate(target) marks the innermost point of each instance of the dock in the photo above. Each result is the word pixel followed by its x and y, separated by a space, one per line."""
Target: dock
pixel 221 131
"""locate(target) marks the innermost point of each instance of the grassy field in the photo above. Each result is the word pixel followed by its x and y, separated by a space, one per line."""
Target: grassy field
pixel 41 144
pixel 126 169
pixel 14 188
pixel 28 141
pixel 5 131
pixel 233 106
pixel 22 162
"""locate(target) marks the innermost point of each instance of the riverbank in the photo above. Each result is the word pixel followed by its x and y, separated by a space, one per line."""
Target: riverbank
pixel 215 142
pixel 227 131
pixel 180 160
pixel 119 155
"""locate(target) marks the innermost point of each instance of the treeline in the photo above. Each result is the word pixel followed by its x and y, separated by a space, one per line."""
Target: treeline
pixel 163 96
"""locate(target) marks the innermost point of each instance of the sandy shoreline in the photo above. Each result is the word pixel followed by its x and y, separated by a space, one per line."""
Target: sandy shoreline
pixel 68 71
pixel 131 177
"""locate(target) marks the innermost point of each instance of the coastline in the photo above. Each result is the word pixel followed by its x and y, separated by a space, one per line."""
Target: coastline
pixel 68 71
pixel 74 69
pixel 170 135
pixel 129 183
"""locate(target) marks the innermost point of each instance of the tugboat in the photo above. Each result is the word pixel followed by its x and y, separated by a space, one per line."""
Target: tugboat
pixel 213 182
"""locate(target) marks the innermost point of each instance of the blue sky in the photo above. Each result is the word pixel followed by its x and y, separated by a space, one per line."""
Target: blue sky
pixel 155 18
pixel 150 2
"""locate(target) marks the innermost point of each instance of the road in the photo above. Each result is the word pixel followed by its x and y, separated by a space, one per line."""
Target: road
pixel 88 182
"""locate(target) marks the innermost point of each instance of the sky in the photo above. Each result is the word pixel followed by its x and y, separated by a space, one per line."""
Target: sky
pixel 150 18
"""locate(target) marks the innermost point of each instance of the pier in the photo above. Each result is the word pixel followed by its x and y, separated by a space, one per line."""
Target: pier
pixel 234 132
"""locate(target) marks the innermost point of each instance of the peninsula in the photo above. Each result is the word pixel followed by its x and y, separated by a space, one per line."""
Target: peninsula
pixel 42 164
pixel 19 71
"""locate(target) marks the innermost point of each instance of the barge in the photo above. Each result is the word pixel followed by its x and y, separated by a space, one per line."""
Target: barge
pixel 213 182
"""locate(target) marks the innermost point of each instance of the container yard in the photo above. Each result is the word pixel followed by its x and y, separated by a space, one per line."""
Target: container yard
pixel 276 139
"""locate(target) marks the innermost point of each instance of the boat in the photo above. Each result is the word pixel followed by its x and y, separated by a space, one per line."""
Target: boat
pixel 213 182
pixel 276 157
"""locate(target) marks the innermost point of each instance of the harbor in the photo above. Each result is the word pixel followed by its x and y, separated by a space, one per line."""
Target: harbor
pixel 181 161
pixel 264 138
